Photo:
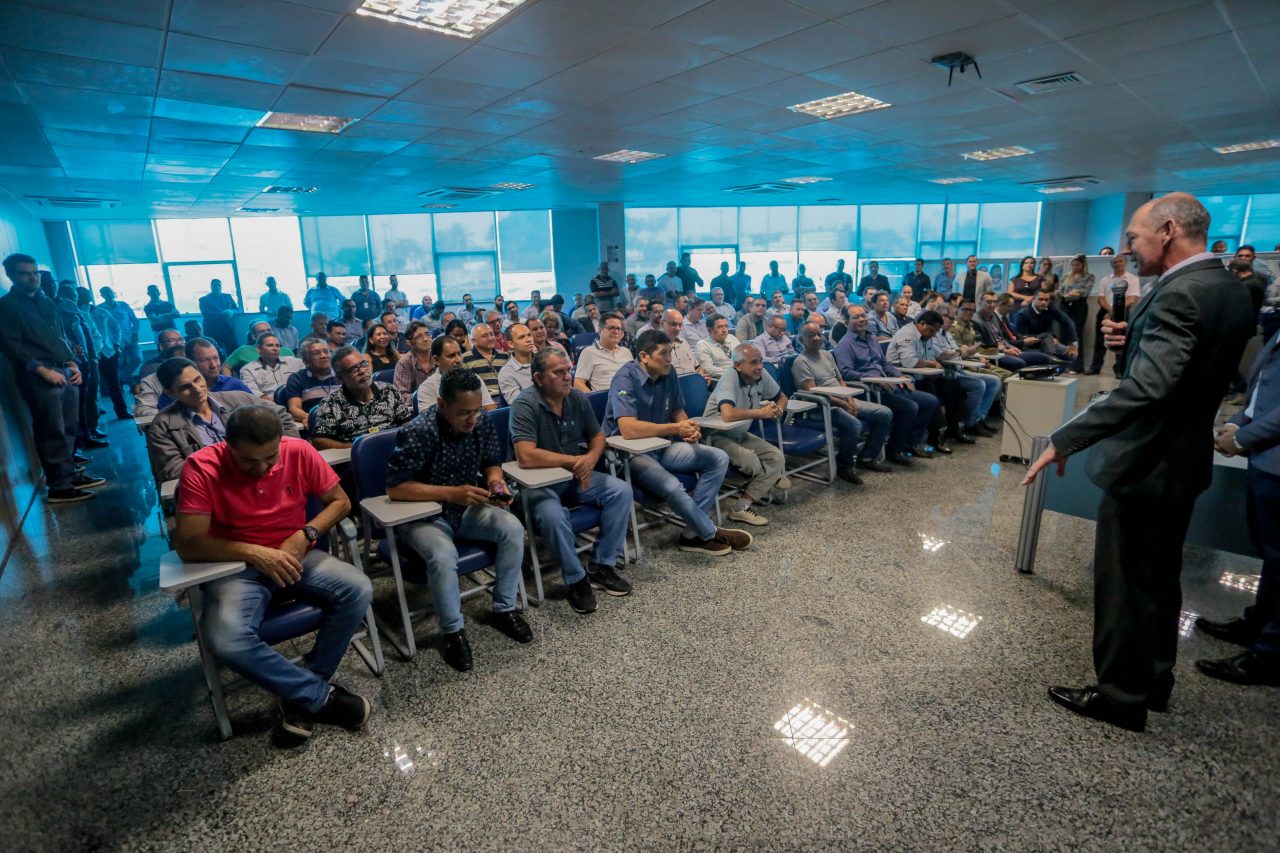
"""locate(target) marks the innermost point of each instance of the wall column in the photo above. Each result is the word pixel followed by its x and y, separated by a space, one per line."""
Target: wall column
pixel 612 227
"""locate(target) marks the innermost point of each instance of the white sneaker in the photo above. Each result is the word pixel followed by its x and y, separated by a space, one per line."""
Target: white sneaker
pixel 783 484
pixel 748 516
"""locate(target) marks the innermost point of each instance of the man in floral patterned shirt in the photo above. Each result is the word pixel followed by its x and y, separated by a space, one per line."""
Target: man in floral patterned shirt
pixel 361 406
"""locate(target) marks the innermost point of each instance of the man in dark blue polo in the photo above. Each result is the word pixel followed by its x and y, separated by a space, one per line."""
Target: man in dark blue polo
pixel 1038 320
pixel 645 402
pixel 553 426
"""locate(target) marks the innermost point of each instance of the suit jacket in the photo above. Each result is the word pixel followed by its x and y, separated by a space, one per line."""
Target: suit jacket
pixel 1155 431
pixel 171 438
pixel 1260 435
pixel 982 284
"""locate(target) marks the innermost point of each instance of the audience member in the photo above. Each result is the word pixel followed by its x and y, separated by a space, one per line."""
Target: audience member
pixel 378 346
pixel 245 499
pixel 130 352
pixel 271 369
pixel 944 282
pixel 645 402
pixel 873 278
pixel 838 277
pixel 669 285
pixel 720 303
pixel 216 310
pixel 446 355
pixel 335 335
pixel 1102 294
pixel 517 374
pixel 715 352
pixel 1039 319
pixel 773 281
pixel 323 299
pixel 246 353
pixel 683 359
pixel 974 282
pixel 911 349
pixel 412 370
pixel 110 350
pixel 689 278
pixel 775 345
pixel 451 455
pixel 305 389
pixel 917 279
pixel 484 359
pixel 742 395
pixel 1076 288
pixel 368 303
pixel 539 334
pixel 284 329
pixel 741 286
pixel 1024 285
pixel 695 324
pixel 205 355
pixel 601 360
pixel 752 323
pixel 802 283
pixel 359 407
pixel 946 350
pixel 884 324
pixel 554 426
pixel 161 313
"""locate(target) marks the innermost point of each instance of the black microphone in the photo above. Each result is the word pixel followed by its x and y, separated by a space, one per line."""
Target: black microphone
pixel 1119 290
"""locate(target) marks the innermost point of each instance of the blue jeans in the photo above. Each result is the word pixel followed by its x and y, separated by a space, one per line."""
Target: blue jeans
pixel 233 611
pixel 433 542
pixel 550 510
pixel 912 412
pixel 877 421
pixel 651 472
pixel 981 391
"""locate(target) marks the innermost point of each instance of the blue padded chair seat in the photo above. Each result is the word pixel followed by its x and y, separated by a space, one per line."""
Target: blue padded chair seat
pixel 286 621
pixel 801 441
pixel 472 557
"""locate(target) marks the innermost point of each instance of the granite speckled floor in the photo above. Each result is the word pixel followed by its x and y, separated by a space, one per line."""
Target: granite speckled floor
pixel 654 723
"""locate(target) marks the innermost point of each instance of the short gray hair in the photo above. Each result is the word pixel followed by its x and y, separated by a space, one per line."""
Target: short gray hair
pixel 742 352
pixel 1184 209
pixel 311 343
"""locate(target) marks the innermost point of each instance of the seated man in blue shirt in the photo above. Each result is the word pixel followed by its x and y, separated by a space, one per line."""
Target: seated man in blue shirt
pixel 858 355
pixel 450 454
pixel 645 402
pixel 204 353
pixel 1038 319
pixel 553 426
pixel 305 389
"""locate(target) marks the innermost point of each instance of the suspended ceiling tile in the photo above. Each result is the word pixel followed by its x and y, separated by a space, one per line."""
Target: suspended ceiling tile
pixel 734 26
pixel 407 112
pixel 649 57
pixel 1172 28
pixel 1065 20
pixel 186 147
pixel 54 69
pixel 92 139
pixel 205 113
pixel 292 139
pixel 793 90
pixel 222 91
pixel 834 8
pixel 453 93
pixel 61 98
pixel 334 74
pixel 220 58
pixel 162 128
pixel 646 15
pixel 27 27
pixel 860 74
pixel 494 123
pixel 302 99
pixel 261 23
pixel 816 47
pixel 367 144
pixel 382 44
pixel 481 63
pixel 527 104
pixel 554 32
pixel 386 130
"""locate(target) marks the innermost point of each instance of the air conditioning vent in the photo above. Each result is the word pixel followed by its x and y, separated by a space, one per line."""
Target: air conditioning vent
pixel 276 188
pixel 1077 181
pixel 259 209
pixel 456 194
pixel 74 202
pixel 1052 83
pixel 766 188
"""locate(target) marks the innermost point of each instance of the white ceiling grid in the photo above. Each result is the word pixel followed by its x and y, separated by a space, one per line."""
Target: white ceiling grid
pixel 153 102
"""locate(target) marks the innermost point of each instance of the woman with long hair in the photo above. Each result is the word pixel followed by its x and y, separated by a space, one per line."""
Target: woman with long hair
pixel 1024 285
pixel 1075 290
pixel 377 345
pixel 1047 274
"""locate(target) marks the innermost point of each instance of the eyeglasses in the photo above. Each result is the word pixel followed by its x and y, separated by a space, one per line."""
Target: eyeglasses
pixel 358 367
pixel 613 328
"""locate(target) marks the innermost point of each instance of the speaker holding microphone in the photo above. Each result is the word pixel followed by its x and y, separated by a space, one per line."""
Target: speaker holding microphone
pixel 1119 292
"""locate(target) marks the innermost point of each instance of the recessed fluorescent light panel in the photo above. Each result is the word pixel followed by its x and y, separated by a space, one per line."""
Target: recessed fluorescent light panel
pixel 280 188
pixel 838 106
pixel 998 153
pixel 1051 190
pixel 511 185
pixel 309 123
pixel 627 156
pixel 439 206
pixel 463 18
pixel 1249 146
pixel 805 179
pixel 961 180
pixel 259 209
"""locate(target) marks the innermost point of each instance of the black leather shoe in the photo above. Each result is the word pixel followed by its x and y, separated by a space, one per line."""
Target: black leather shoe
pixel 1232 630
pixel 874 465
pixel 1088 702
pixel 923 452
pixel 961 438
pixel 511 623
pixel 981 430
pixel 95 443
pixel 849 475
pixel 1158 698
pixel 81 459
pixel 899 459
pixel 939 446
pixel 1244 668
pixel 457 651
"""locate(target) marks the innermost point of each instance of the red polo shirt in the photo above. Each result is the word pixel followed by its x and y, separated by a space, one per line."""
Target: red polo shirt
pixel 262 510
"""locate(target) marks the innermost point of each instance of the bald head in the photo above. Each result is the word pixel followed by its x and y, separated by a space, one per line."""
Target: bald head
pixel 1182 209
pixel 1166 231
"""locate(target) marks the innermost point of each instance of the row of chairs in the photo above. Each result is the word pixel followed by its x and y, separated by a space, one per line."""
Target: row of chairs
pixel 810 447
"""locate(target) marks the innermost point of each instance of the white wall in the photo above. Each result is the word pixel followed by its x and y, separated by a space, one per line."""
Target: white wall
pixel 21 232
pixel 1062 227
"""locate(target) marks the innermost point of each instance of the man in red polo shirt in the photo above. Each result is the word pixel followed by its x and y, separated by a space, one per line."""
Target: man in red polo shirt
pixel 246 499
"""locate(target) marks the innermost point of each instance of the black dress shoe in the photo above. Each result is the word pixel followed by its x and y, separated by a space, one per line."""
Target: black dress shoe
pixel 941 446
pixel 961 438
pixel 1244 668
pixel 95 443
pixel 981 430
pixel 900 459
pixel 1088 702
pixel 1235 630
pixel 81 459
pixel 511 623
pixel 849 475
pixel 874 465
pixel 457 651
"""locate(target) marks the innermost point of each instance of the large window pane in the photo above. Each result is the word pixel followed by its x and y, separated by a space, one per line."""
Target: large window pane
pixel 189 282
pixel 708 226
pixel 1226 218
pixel 400 244
pixel 269 246
pixel 829 229
pixel 1264 223
pixel 1008 229
pixel 335 245
pixel 474 273
pixel 651 241
pixel 888 231
pixel 962 222
pixel 524 239
pixel 930 228
pixel 114 242
pixel 767 229
pixel 194 239
pixel 818 264
pixel 414 287
pixel 129 281
pixel 465 232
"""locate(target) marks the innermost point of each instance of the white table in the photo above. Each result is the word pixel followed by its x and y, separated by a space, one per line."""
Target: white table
pixel 336 455
pixel 389 513
pixel 176 575
pixel 167 489
pixel 840 391
pixel 636 446
pixel 921 371
pixel 884 380
pixel 536 478
pixel 960 362
pixel 796 406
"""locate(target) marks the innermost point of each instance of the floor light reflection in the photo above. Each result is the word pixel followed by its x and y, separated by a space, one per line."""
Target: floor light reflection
pixel 1187 623
pixel 814 732
pixel 928 543
pixel 1248 583
pixel 955 622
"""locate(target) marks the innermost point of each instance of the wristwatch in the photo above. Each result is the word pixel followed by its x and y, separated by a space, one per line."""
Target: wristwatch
pixel 311 533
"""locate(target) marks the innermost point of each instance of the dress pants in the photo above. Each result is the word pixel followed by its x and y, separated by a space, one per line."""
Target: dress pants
pixel 754 456
pixel 109 370
pixel 1100 349
pixel 87 399
pixel 55 412
pixel 912 412
pixel 1137 594
pixel 954 402
pixel 1078 311
pixel 1264 520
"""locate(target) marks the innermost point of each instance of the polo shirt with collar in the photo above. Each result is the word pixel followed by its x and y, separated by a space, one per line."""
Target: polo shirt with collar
pixel 486 368
pixel 732 388
pixel 597 365
pixel 309 388
pixel 262 510
pixel 567 433
pixel 772 282
pixel 636 394
pixel 263 379
pixel 943 283
pixel 513 378
pixel 907 347
pixel 430 451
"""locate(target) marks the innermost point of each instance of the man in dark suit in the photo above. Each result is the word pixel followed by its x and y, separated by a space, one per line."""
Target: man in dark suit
pixel 1255 432
pixel 1154 454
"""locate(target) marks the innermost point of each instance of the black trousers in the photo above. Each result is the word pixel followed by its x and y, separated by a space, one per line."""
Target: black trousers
pixel 88 398
pixel 109 369
pixel 1263 615
pixel 1100 348
pixel 1078 311
pixel 952 397
pixel 55 415
pixel 1137 594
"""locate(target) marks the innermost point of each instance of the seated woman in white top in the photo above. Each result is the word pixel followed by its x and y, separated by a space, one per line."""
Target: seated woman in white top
pixel 599 362
pixel 445 354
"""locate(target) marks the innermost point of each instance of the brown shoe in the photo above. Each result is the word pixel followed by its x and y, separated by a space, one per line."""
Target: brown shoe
pixel 738 540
